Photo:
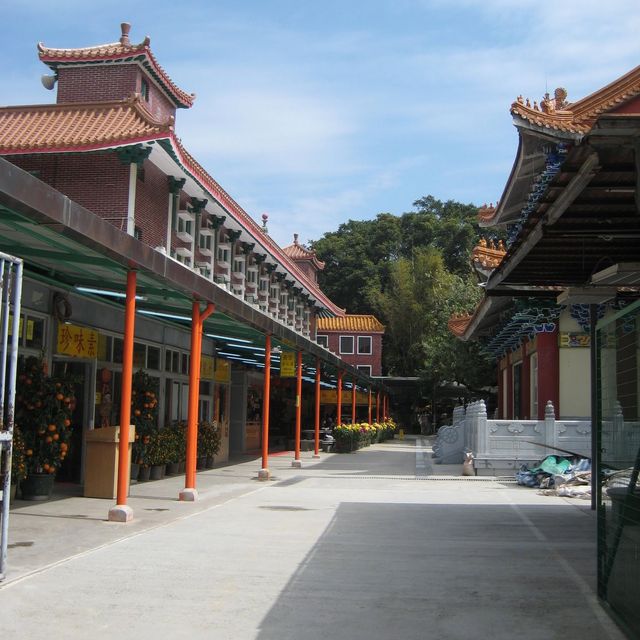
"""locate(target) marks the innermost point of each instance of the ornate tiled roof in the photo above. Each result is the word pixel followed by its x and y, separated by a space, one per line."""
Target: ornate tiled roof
pixel 458 323
pixel 578 117
pixel 350 322
pixel 486 212
pixel 121 51
pixel 488 255
pixel 296 251
pixel 73 127
pixel 77 127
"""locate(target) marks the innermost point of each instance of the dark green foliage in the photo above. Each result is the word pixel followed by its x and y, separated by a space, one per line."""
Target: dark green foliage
pixel 413 272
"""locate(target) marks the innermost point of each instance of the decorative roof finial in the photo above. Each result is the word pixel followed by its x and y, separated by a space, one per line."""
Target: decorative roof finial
pixel 265 217
pixel 295 239
pixel 124 38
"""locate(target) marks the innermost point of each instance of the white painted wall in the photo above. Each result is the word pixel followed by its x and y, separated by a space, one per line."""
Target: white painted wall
pixel 575 374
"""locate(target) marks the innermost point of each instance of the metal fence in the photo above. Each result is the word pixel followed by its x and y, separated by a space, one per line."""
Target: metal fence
pixel 10 295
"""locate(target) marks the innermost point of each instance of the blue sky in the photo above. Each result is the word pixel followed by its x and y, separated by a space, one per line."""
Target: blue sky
pixel 321 112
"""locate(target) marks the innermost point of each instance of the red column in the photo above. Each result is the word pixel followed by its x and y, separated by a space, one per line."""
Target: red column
pixel 197 318
pixel 548 372
pixel 339 398
pixel 264 472
pixel 525 384
pixel 378 405
pixel 509 408
pixel 298 405
pixel 122 512
pixel 353 400
pixel 316 448
pixel 369 412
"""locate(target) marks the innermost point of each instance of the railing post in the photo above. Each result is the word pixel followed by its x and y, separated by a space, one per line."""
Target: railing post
pixel 550 432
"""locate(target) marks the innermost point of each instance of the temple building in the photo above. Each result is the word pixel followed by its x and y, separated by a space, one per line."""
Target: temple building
pixel 137 259
pixel 561 312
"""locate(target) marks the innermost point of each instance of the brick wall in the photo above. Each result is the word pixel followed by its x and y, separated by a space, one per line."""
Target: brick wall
pixel 374 360
pixel 97 83
pixel 152 205
pixel 98 181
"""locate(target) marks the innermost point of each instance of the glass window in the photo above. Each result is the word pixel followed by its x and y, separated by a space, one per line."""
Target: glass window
pixel 105 344
pixel 364 344
pixel 365 368
pixel 322 340
pixel 117 350
pixel 346 344
pixel 139 355
pixel 153 358
pixel 35 333
pixel 185 363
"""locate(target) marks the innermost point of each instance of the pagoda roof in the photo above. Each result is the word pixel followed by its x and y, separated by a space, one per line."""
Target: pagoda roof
pixel 578 117
pixel 556 120
pixel 299 252
pixel 351 322
pixel 74 127
pixel 118 52
pixel 78 127
pixel 487 255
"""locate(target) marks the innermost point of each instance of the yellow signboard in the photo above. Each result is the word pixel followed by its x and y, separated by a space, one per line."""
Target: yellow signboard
pixel 287 364
pixel 568 339
pixel 222 371
pixel 207 368
pixel 330 396
pixel 30 324
pixel 78 342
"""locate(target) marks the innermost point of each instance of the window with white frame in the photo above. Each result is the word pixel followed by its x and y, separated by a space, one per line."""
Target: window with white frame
pixel 364 345
pixel 323 340
pixel 365 368
pixel 346 344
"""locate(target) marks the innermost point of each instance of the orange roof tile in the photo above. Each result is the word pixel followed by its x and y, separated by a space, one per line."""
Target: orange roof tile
pixel 72 127
pixel 296 251
pixel 458 323
pixel 350 322
pixel 486 212
pixel 117 51
pixel 578 117
pixel 488 255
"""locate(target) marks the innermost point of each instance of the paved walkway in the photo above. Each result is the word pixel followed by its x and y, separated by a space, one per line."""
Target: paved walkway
pixel 368 545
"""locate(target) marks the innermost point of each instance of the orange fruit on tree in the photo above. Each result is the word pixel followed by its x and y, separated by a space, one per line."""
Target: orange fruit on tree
pixel 136 412
pixel 52 469
pixel 45 466
pixel 52 427
pixel 59 396
pixel 67 422
pixel 28 452
pixel 48 439
pixel 63 446
pixel 55 436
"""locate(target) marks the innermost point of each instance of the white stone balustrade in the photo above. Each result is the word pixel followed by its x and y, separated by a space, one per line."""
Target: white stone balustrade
pixel 450 440
pixel 501 446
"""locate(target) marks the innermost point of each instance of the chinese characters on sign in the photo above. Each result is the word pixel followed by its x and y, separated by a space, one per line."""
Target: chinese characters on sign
pixel 567 339
pixel 287 364
pixel 78 342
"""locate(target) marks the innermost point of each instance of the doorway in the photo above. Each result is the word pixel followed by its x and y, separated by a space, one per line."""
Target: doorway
pixel 82 372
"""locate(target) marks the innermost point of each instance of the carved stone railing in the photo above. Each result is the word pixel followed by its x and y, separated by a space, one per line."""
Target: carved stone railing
pixel 502 446
pixel 620 440
pixel 450 441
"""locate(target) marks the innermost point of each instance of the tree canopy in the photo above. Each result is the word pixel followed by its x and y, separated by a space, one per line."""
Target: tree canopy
pixel 413 272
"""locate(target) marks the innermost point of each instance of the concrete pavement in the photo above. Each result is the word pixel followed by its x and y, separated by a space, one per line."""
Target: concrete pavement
pixel 368 545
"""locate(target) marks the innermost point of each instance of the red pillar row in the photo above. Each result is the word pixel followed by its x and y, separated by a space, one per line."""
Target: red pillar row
pixel 264 472
pixel 339 398
pixel 548 372
pixel 316 447
pixel 353 400
pixel 122 512
pixel 298 404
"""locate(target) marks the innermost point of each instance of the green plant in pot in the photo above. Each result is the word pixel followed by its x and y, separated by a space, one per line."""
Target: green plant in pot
pixel 209 439
pixel 44 406
pixel 144 416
